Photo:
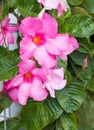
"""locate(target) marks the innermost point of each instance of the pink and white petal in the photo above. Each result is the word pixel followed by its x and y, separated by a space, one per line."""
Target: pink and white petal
pixel 13 28
pixel 15 82
pixel 50 89
pixel 59 72
pixel 10 38
pixel 30 26
pixel 13 94
pixel 58 44
pixel 26 66
pixel 50 25
pixel 44 58
pixel 73 45
pixel 38 91
pixel 40 73
pixel 63 56
pixel 23 93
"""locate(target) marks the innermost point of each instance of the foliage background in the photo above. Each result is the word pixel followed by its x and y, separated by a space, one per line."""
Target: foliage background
pixel 73 108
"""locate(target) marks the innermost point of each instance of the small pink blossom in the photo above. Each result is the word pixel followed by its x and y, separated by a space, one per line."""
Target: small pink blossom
pixel 42 41
pixel 60 5
pixel 55 81
pixel 27 84
pixel 6 31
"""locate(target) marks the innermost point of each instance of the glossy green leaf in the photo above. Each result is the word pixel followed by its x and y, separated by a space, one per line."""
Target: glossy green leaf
pixel 61 63
pixel 4 8
pixel 72 29
pixel 59 125
pixel 28 7
pixel 11 124
pixel 89 6
pixel 78 57
pixel 35 116
pixel 69 121
pixel 54 107
pixel 5 102
pixel 71 97
pixel 78 21
pixel 8 63
pixel 78 10
pixel 75 2
pixel 85 114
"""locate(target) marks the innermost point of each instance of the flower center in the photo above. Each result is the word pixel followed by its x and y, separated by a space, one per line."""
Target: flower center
pixel 28 75
pixel 38 39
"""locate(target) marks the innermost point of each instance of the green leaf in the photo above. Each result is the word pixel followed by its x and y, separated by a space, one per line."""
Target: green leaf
pixel 54 107
pixel 28 7
pixel 59 125
pixel 61 63
pixel 81 22
pixel 71 97
pixel 75 2
pixel 69 121
pixel 35 116
pixel 79 10
pixel 89 6
pixel 3 9
pixel 90 85
pixel 72 29
pixel 85 114
pixel 11 124
pixel 8 63
pixel 5 102
pixel 78 57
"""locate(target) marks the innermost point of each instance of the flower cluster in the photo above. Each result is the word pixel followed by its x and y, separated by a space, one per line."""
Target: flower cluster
pixel 40 46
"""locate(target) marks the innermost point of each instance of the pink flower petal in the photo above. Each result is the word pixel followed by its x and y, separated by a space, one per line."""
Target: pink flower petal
pixel 13 94
pixel 50 25
pixel 44 58
pixel 58 44
pixel 10 38
pixel 26 66
pixel 37 91
pixel 26 48
pixel 23 93
pixel 5 22
pixel 13 28
pixel 16 81
pixel 30 26
pixel 40 73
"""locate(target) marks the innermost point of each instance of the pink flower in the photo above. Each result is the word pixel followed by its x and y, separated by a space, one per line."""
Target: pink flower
pixel 6 31
pixel 32 82
pixel 42 41
pixel 60 5
pixel 55 81
pixel 27 84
